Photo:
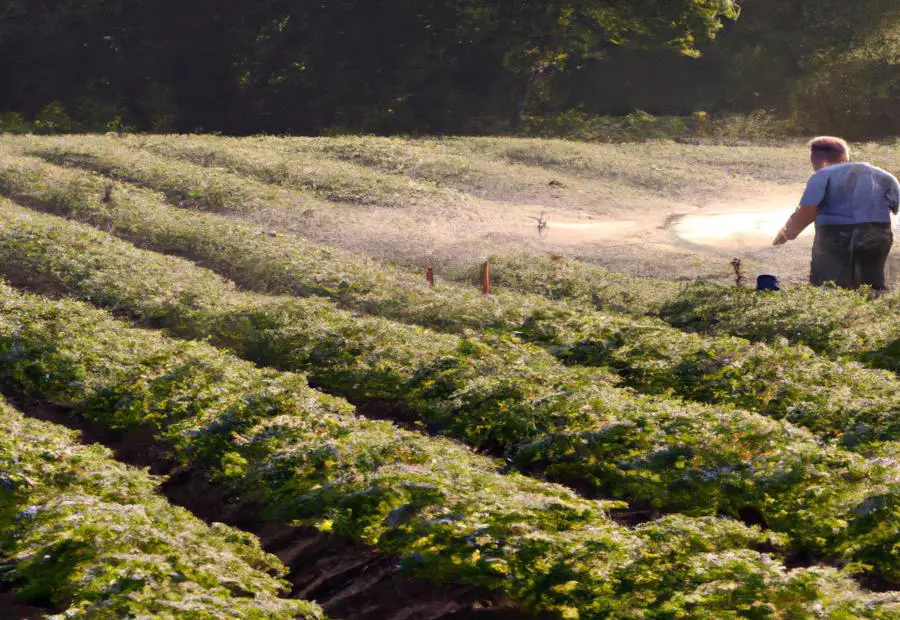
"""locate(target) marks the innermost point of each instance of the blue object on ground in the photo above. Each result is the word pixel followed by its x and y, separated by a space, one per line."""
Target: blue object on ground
pixel 767 282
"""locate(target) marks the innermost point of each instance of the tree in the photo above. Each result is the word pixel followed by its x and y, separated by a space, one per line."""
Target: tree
pixel 439 66
pixel 541 38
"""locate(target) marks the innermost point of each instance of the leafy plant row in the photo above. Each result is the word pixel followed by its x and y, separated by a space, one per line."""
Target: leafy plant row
pixel 833 398
pixel 304 267
pixel 327 177
pixel 830 321
pixel 85 533
pixel 563 423
pixel 833 322
pixel 306 458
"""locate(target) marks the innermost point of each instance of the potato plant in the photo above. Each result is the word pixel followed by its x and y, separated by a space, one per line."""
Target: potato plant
pixel 549 420
pixel 82 532
pixel 832 322
pixel 831 397
pixel 305 458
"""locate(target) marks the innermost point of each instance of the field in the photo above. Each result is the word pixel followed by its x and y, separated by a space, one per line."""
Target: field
pixel 230 392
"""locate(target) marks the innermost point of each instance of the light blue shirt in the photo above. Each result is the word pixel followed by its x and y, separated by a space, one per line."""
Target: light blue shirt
pixel 852 193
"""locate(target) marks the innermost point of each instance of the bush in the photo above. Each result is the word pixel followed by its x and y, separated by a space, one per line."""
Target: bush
pixel 13 122
pixel 54 119
pixel 640 126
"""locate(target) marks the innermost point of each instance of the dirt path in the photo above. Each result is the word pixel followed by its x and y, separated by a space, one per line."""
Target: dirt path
pixel 678 241
pixel 686 241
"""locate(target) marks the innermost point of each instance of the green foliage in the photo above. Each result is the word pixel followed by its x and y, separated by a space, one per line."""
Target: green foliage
pixel 160 106
pixel 53 119
pixel 833 322
pixel 13 122
pixel 347 65
pixel 541 39
pixel 832 398
pixel 579 125
pixel 305 458
pixel 825 67
pixel 492 391
pixel 307 67
pixel 79 530
pixel 567 280
pixel 865 81
pixel 760 125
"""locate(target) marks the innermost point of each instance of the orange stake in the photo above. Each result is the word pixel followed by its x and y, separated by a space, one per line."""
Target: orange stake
pixel 486 278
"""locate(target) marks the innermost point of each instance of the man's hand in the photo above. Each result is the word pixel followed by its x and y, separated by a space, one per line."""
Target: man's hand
pixel 781 238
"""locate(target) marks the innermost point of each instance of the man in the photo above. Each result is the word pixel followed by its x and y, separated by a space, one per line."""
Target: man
pixel 851 205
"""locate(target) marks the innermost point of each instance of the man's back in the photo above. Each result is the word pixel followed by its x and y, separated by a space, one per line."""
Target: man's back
pixel 852 193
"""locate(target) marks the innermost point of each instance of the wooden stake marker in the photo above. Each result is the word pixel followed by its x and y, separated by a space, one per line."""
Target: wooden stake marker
pixel 429 276
pixel 486 278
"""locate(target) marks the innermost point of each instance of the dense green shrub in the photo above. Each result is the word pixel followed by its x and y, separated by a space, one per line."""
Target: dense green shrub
pixel 53 118
pixel 13 122
pixel 640 126
pixel 79 530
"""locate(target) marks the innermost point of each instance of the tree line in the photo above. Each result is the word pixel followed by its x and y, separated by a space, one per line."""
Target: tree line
pixel 442 66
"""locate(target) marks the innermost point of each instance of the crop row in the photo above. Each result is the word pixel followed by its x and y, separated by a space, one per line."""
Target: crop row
pixel 832 398
pixel 830 321
pixel 318 180
pixel 84 533
pixel 277 163
pixel 833 322
pixel 303 267
pixel 560 422
pixel 306 458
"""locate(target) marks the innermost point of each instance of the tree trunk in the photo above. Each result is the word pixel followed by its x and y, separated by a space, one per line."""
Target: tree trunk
pixel 522 95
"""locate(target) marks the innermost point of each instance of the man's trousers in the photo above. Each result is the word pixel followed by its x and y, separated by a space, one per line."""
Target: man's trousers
pixel 851 255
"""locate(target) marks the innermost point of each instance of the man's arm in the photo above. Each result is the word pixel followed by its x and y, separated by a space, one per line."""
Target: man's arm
pixel 808 211
pixel 892 196
pixel 797 223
